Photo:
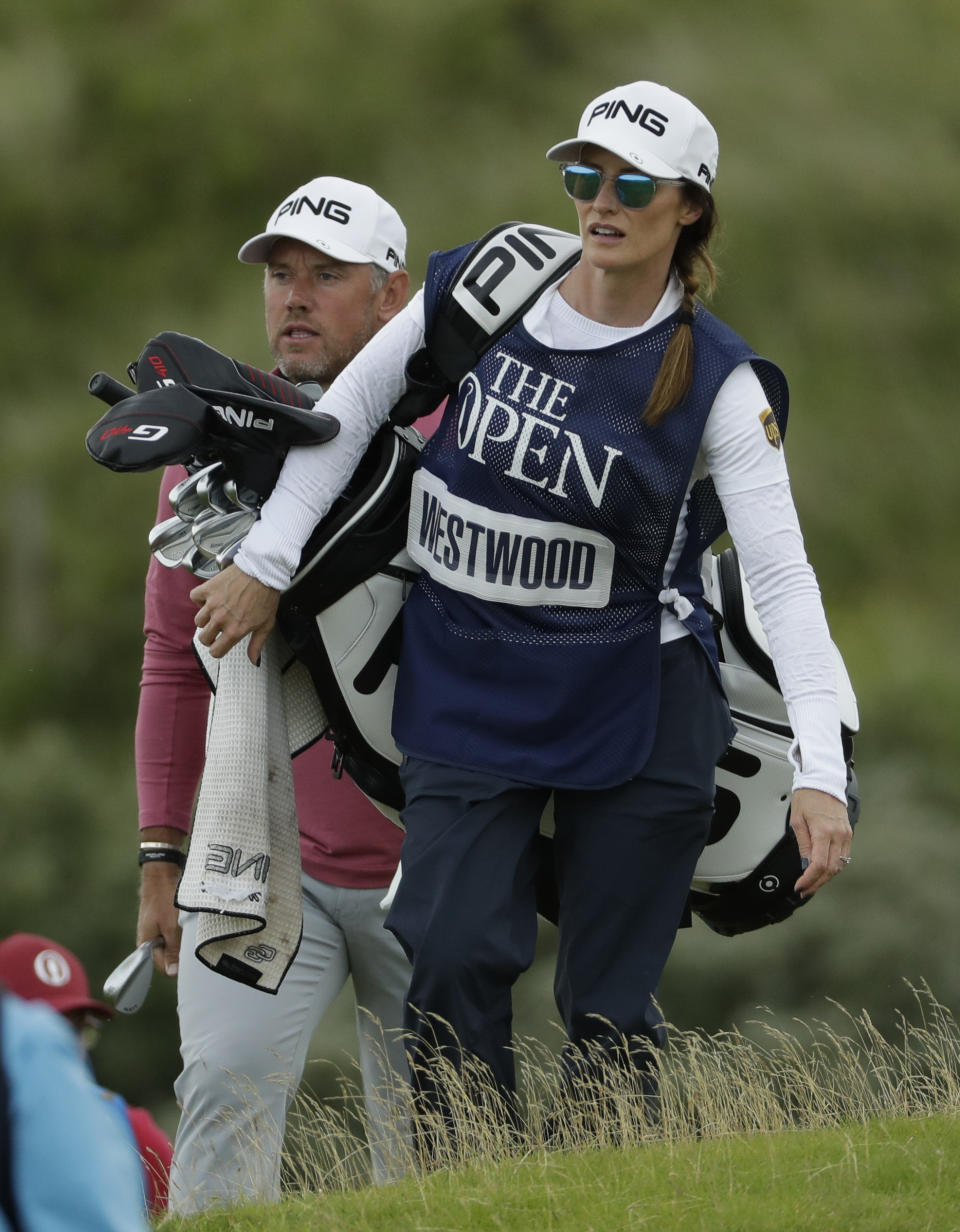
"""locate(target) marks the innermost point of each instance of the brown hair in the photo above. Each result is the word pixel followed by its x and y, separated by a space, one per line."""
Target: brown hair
pixel 693 265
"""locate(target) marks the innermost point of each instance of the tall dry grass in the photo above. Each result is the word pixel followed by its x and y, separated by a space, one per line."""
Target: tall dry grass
pixel 764 1080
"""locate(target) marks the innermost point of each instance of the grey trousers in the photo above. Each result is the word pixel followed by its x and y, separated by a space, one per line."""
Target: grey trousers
pixel 244 1051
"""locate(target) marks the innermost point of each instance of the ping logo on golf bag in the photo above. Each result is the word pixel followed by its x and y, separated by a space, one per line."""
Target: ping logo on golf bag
pixel 507 258
pixel 242 417
pixel 222 858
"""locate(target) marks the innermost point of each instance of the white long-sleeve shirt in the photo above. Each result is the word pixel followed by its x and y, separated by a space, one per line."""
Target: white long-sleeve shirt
pixel 750 477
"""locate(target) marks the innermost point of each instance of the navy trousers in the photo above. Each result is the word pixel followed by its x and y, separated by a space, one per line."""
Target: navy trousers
pixel 466 908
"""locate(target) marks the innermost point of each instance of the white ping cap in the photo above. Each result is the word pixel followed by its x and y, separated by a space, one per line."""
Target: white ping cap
pixel 348 221
pixel 655 129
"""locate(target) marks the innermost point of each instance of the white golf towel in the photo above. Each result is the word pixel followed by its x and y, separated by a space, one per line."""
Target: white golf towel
pixel 243 868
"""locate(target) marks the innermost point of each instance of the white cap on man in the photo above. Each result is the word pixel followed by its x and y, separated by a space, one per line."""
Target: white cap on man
pixel 348 221
pixel 654 129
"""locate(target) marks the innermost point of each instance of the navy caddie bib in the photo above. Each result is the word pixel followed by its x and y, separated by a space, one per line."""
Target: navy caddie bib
pixel 542 517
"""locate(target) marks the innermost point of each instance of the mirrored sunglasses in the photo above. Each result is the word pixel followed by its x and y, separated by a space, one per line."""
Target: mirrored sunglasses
pixel 634 189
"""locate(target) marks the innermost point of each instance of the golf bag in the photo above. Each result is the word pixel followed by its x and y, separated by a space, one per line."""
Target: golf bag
pixel 341 615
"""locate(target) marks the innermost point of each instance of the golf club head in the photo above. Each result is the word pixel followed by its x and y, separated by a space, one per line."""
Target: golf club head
pixel 128 983
pixel 170 541
pixel 225 557
pixel 200 564
pixel 210 490
pixel 215 535
pixel 312 388
pixel 242 498
pixel 185 497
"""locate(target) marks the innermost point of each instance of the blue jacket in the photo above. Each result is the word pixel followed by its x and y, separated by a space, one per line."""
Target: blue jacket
pixel 68 1162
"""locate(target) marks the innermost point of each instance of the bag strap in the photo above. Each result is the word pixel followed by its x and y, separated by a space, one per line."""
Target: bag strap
pixel 502 275
pixel 735 619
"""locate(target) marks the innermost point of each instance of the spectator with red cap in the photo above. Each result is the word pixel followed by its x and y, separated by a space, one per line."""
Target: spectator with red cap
pixel 37 968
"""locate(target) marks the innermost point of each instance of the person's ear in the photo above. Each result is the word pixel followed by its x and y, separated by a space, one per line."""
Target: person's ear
pixel 393 295
pixel 689 214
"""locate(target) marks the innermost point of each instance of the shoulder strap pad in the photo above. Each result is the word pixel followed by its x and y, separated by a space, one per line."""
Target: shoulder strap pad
pixel 502 275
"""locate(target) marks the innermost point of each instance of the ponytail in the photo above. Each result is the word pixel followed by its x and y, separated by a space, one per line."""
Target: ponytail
pixel 690 260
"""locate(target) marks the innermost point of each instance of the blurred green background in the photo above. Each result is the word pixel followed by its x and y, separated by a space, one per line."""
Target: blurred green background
pixel 141 144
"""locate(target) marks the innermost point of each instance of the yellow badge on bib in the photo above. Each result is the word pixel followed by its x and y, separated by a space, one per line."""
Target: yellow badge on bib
pixel 770 427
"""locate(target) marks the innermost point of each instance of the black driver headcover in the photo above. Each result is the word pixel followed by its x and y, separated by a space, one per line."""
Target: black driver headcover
pixel 178 359
pixel 196 406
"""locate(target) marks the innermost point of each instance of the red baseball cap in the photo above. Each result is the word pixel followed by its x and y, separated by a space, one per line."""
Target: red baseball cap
pixel 39 969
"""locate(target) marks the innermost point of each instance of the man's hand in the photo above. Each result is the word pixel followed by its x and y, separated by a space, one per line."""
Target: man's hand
pixel 158 914
pixel 158 918
pixel 233 604
pixel 823 831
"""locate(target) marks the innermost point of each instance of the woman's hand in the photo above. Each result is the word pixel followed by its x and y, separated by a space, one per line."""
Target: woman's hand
pixel 823 832
pixel 233 604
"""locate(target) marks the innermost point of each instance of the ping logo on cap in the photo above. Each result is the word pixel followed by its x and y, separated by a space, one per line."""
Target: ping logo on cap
pixel 336 211
pixel 653 121
pixel 51 969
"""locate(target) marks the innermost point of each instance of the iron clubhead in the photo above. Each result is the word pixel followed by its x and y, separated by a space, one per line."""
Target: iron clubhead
pixel 213 536
pixel 243 498
pixel 185 498
pixel 170 541
pixel 128 983
pixel 210 489
pixel 200 564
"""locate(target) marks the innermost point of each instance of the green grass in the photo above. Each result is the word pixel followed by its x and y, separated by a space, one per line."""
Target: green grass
pixel 890 1175
pixel 816 1128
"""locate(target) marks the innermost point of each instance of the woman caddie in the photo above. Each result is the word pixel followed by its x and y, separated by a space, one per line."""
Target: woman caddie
pixel 662 425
